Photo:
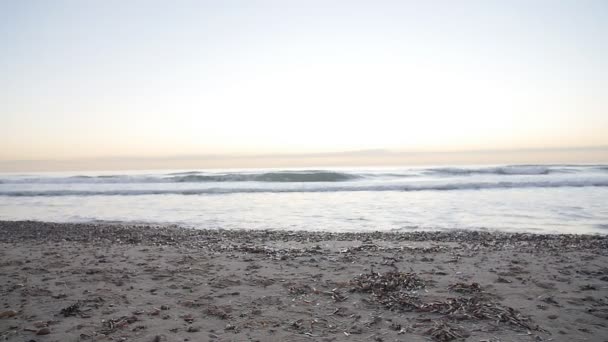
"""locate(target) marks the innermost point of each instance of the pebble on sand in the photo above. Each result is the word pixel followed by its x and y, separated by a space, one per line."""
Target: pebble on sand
pixel 8 314
pixel 43 331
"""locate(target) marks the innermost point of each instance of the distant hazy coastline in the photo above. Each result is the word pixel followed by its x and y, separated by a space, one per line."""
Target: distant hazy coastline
pixel 363 158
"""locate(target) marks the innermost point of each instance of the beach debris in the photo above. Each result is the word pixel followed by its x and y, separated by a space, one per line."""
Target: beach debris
pixel 71 310
pixel 299 289
pixel 222 312
pixel 382 284
pixel 336 295
pixel 397 291
pixel 112 325
pixel 477 308
pixel 340 311
pixel 297 324
pixel 188 318
pixel 395 326
pixel 443 332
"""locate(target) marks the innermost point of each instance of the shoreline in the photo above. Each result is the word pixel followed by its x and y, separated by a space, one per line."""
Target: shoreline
pixel 102 282
pixel 173 233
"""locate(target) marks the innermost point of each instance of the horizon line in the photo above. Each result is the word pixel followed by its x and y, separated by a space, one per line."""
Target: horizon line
pixel 347 153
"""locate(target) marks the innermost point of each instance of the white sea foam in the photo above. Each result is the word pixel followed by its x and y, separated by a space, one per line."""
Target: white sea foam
pixel 433 186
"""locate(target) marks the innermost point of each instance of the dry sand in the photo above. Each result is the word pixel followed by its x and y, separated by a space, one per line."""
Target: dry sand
pixel 73 282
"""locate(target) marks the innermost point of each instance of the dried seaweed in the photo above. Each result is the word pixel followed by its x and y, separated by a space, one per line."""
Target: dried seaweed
pixel 442 331
pixel 112 325
pixel 336 295
pixel 71 310
pixel 381 284
pixel 299 289
pixel 477 308
pixel 396 291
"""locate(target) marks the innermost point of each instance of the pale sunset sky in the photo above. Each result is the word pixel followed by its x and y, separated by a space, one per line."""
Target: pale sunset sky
pixel 181 84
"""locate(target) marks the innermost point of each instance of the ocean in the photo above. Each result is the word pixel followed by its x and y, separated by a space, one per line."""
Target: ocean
pixel 514 198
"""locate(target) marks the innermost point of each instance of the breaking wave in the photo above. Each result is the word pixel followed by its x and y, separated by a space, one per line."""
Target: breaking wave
pixel 501 170
pixel 285 176
pixel 313 176
pixel 402 187
pixel 193 177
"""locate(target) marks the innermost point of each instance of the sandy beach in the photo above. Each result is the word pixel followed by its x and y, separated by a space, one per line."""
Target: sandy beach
pixel 114 282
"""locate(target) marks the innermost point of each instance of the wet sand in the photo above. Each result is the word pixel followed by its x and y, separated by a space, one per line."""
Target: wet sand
pixel 112 282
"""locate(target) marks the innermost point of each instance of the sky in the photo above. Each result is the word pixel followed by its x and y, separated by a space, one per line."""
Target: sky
pixel 139 84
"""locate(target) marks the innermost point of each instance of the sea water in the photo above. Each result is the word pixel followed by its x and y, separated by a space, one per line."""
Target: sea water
pixel 520 198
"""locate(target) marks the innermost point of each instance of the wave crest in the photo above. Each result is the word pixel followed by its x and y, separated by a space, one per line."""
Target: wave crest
pixel 351 188
pixel 311 176
pixel 499 170
pixel 281 176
